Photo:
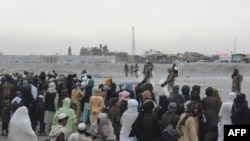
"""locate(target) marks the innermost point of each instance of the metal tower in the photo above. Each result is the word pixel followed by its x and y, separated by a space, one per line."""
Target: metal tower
pixel 133 42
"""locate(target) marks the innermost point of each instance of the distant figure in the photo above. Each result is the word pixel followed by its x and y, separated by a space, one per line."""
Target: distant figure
pixel 84 73
pixel 147 72
pixel 175 69
pixel 126 70
pixel 136 68
pixel 237 79
pixel 148 66
pixel 131 70
pixel 170 80
pixel 180 68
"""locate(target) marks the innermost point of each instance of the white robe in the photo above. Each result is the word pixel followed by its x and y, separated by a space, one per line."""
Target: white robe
pixel 127 119
pixel 20 126
pixel 106 126
pixel 225 115
pixel 56 131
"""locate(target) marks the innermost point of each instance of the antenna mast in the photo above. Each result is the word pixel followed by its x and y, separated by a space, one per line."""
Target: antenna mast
pixel 133 42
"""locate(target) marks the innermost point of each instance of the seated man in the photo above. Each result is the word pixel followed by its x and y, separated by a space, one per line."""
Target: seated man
pixel 58 132
pixel 80 135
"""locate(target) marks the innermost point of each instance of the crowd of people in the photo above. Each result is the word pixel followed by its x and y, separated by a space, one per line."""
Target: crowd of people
pixel 75 108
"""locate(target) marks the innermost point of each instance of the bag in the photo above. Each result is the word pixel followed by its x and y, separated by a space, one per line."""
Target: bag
pixel 170 133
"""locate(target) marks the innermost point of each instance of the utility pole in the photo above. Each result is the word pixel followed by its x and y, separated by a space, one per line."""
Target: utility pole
pixel 133 45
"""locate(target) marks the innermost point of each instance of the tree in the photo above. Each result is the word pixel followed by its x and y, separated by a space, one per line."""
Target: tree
pixel 94 50
pixel 69 51
pixel 84 51
pixel 105 49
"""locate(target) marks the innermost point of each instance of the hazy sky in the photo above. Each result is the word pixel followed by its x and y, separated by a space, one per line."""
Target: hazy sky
pixel 51 26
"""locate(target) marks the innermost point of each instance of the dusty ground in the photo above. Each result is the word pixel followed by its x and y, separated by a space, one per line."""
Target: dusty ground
pixel 217 75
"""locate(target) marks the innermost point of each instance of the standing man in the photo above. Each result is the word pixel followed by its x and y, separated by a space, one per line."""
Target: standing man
pixel 211 109
pixel 51 98
pixel 76 97
pixel 29 96
pixel 126 70
pixel 237 79
pixel 147 71
pixel 131 70
pixel 170 80
pixel 136 68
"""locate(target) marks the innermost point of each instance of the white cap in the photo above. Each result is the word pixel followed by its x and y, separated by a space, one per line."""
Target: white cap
pixel 62 116
pixel 81 126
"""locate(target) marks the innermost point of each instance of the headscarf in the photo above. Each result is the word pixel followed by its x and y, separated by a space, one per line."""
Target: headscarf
pixel 91 82
pixel 185 89
pixel 149 87
pixel 209 91
pixel 52 87
pixel 239 102
pixel 217 96
pixel 163 102
pixel 172 106
pixel 197 89
pixel 20 126
pixel 71 122
pixel 25 82
pixel 231 96
pixel 124 95
pixel 96 91
pixel 129 86
pixel 108 82
pixel 176 89
pixel 132 105
pixel 235 72
pixel 148 107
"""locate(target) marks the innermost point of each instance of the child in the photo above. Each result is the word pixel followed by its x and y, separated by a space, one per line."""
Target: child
pixel 5 117
pixel 40 114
